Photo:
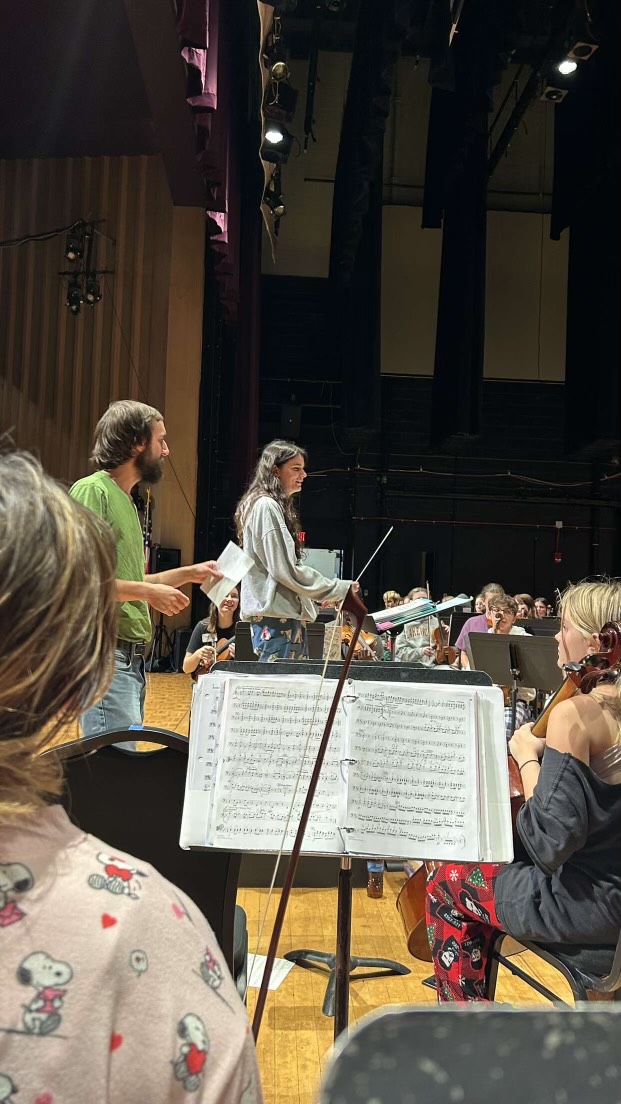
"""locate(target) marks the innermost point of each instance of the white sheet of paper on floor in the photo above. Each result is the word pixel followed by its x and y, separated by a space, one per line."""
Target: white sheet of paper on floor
pixel 257 969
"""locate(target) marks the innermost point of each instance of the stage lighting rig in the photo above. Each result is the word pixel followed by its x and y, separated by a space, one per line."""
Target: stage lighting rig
pixel 74 296
pixel 74 246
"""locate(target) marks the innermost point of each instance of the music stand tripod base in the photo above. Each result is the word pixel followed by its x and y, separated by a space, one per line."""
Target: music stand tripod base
pixel 341 965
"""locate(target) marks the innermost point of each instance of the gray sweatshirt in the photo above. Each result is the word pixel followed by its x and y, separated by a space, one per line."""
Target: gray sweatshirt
pixel 277 586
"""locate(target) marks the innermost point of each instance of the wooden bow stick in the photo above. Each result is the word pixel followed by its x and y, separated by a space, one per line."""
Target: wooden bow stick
pixel 359 611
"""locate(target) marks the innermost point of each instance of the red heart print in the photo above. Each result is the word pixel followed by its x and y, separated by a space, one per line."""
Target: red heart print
pixel 108 921
pixel 179 912
pixel 115 1041
pixel 45 1098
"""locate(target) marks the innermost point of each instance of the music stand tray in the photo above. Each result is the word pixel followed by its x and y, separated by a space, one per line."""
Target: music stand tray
pixel 537 659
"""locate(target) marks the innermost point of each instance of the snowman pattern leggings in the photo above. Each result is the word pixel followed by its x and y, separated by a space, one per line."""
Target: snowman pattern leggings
pixel 461 923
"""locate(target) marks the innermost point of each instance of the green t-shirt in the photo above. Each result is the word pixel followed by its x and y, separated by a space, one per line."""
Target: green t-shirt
pixel 102 495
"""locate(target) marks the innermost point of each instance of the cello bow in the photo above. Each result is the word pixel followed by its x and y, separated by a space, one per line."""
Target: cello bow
pixel 358 610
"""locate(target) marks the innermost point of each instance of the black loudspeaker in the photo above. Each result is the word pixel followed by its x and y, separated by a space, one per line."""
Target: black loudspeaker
pixel 164 559
pixel 182 639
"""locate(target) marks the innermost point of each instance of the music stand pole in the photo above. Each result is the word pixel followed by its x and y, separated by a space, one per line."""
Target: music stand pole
pixel 515 674
pixel 343 948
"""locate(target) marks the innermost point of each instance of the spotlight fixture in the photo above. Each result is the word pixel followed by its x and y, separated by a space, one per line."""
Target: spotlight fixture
pixel 74 296
pixel 74 246
pixel 551 94
pixel 277 144
pixel 280 101
pixel 92 291
pixel 279 70
pixel 582 51
pixel 275 133
pixel 567 66
pixel 335 6
pixel 274 201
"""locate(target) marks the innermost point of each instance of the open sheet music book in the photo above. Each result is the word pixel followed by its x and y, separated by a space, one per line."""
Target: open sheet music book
pixel 412 770
pixel 418 610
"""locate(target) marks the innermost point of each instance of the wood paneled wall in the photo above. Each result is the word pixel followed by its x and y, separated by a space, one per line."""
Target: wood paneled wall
pixel 58 372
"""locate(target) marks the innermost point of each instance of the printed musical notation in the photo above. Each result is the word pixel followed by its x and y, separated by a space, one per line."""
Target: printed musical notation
pixel 400 779
pixel 268 722
pixel 413 774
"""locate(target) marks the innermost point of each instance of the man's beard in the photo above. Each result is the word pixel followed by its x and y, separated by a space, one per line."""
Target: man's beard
pixel 151 470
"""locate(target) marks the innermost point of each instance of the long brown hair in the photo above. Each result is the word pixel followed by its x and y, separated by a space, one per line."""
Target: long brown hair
pixel 58 618
pixel 265 482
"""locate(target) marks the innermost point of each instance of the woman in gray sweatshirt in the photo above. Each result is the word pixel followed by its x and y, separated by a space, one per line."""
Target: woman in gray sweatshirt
pixel 278 594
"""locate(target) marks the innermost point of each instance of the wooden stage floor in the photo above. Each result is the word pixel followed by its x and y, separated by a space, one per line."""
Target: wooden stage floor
pixel 295 1037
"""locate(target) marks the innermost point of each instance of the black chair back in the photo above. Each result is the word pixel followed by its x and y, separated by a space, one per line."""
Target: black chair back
pixel 133 801
pixel 478 1054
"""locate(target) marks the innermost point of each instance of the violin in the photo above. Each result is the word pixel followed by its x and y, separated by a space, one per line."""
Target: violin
pixel 364 645
pixel 444 652
pixel 581 678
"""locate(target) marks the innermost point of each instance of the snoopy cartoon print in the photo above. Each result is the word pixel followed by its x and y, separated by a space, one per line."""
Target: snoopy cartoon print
pixel 210 970
pixel 190 1064
pixel 48 977
pixel 14 878
pixel 7 1089
pixel 117 876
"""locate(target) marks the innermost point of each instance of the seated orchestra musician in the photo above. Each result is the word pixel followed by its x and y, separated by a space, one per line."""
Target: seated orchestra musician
pixel 479 621
pixel 416 644
pixel 565 885
pixel 391 598
pixel 526 605
pixel 502 612
pixel 217 628
pixel 114 986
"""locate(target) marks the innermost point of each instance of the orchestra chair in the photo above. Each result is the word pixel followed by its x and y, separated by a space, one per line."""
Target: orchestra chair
pixel 478 1054
pixel 134 800
pixel 593 973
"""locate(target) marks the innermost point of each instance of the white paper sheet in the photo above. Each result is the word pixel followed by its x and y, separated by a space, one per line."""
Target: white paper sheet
pixel 278 975
pixel 234 563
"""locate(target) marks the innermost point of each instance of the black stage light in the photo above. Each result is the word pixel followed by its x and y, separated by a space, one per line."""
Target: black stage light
pixel 74 297
pixel 280 101
pixel 582 51
pixel 277 143
pixel 74 246
pixel 93 290
pixel 552 94
pixel 274 201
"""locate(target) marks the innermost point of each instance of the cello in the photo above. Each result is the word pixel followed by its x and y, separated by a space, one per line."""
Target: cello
pixel 581 678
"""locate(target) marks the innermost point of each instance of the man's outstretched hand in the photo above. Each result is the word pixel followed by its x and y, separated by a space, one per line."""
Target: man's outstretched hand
pixel 202 572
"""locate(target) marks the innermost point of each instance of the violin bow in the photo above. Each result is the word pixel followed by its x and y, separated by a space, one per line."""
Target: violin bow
pixel 353 605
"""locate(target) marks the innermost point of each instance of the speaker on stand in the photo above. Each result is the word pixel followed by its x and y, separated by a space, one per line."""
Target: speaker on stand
pixel 161 657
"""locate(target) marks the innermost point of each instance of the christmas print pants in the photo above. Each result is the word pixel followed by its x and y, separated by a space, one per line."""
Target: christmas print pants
pixel 461 924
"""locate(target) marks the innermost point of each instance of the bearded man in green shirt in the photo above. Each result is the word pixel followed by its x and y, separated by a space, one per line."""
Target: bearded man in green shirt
pixel 130 447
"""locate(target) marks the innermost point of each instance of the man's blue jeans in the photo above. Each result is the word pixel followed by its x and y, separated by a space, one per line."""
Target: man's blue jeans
pixel 123 704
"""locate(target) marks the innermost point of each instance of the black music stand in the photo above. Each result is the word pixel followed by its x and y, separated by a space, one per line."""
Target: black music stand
pixel 340 964
pixel 516 661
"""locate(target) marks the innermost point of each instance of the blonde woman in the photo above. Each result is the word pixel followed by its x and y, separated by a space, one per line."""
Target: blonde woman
pixel 568 889
pixel 112 973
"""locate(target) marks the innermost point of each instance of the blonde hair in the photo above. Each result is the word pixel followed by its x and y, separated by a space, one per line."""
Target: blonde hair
pixel 391 596
pixel 58 617
pixel 588 606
